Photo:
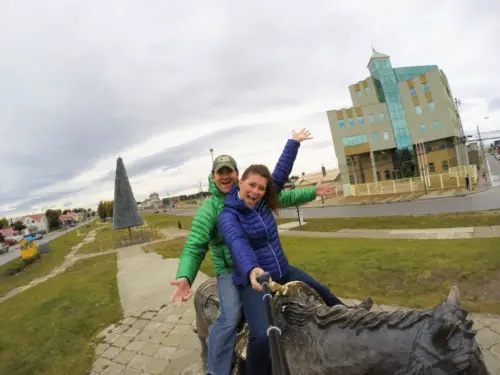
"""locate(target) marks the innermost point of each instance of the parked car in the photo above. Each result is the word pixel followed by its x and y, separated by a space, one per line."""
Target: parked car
pixel 4 248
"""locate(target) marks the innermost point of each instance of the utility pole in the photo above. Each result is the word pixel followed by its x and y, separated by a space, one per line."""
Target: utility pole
pixel 212 153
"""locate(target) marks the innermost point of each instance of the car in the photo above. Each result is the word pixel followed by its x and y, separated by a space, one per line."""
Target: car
pixel 4 248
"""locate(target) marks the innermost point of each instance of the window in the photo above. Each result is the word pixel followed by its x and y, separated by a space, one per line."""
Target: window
pixel 367 90
pixel 381 116
pixel 351 179
pixel 386 135
pixel 375 136
pixel 426 87
pixel 387 175
pixel 355 140
pixel 422 128
pixel 442 146
pixel 349 162
pixel 372 118
pixel 351 121
pixel 444 164
pixel 358 94
pixel 436 124
pixel 428 148
pixel 413 92
pixel 341 124
pixel 361 120
pixel 418 110
pixel 431 106
pixel 378 176
pixel 432 168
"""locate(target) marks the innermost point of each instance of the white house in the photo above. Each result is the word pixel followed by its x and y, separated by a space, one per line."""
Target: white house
pixel 35 223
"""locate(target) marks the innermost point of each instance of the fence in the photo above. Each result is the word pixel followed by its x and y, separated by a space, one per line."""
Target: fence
pixel 454 178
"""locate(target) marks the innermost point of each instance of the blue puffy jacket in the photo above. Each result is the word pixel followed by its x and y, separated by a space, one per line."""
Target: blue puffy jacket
pixel 251 233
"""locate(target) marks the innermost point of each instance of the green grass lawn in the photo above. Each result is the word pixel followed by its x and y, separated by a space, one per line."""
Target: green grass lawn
pixel 414 273
pixel 173 249
pixel 449 220
pixel 48 329
pixel 108 238
pixel 59 248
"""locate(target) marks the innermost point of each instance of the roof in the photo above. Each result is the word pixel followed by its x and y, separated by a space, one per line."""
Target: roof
pixel 377 56
pixel 36 217
pixel 313 178
pixel 7 232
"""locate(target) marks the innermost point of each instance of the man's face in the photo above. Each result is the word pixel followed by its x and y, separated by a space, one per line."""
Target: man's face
pixel 224 179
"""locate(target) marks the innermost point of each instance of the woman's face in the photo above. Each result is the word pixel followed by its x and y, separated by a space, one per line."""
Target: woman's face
pixel 252 189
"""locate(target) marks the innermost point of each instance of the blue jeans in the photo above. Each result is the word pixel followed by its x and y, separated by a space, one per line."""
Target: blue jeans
pixel 258 351
pixel 222 334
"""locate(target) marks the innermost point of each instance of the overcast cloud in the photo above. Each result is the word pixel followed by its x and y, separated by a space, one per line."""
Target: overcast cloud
pixel 160 83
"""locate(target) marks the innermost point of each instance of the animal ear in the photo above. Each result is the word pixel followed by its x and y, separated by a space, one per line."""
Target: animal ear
pixel 454 296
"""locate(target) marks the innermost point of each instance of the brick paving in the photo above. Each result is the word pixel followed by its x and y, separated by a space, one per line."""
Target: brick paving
pixel 158 341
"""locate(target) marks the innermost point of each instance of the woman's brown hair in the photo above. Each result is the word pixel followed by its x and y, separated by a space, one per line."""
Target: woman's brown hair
pixel 271 196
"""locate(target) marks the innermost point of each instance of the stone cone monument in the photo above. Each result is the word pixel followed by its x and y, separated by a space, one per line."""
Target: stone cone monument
pixel 125 211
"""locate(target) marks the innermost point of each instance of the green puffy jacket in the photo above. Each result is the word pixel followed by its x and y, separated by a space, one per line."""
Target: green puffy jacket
pixel 205 232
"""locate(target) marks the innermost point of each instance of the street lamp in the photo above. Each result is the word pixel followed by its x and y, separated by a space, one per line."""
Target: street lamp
pixel 212 153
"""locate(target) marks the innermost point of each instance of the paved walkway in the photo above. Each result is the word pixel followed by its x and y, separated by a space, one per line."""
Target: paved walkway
pixel 418 234
pixel 155 336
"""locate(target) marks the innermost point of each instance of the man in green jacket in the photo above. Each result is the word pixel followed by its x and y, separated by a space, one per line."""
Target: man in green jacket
pixel 204 235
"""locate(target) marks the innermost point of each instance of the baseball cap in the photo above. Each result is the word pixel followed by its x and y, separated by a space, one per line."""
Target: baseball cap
pixel 224 161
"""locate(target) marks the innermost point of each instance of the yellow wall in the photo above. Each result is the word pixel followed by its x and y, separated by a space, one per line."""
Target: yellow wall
pixel 437 156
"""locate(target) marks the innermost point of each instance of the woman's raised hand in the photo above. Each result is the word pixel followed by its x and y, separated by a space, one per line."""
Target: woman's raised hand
pixel 302 135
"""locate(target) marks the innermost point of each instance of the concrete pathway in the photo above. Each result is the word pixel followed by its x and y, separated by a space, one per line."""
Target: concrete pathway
pixel 155 336
pixel 419 234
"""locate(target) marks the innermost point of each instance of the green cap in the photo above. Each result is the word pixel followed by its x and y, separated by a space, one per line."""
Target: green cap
pixel 224 161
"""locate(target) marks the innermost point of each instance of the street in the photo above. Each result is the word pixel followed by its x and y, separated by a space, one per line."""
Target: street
pixel 16 253
pixel 489 199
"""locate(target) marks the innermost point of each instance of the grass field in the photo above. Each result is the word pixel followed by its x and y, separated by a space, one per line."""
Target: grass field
pixel 412 273
pixel 109 238
pixel 449 220
pixel 59 248
pixel 47 330
pixel 466 219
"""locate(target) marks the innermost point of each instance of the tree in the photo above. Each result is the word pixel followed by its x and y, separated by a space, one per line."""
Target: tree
pixel 53 218
pixel 125 212
pixel 2 239
pixel 18 225
pixel 4 223
pixel 404 163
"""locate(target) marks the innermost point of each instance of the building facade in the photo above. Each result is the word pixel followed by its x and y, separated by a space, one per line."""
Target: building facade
pixel 393 110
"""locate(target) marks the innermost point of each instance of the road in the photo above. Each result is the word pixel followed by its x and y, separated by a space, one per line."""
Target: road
pixel 489 199
pixel 16 253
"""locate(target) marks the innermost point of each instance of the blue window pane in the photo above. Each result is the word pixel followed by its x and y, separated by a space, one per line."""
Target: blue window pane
pixel 361 120
pixel 341 124
pixel 436 124
pixel 351 121
pixel 431 106
pixel 413 92
pixel 367 90
pixel 355 140
pixel 426 87
pixel 375 136
pixel 358 94
pixel 382 116
pixel 418 110
pixel 372 118
pixel 386 135
pixel 422 128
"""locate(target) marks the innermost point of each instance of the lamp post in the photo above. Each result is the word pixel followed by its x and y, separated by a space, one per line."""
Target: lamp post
pixel 212 153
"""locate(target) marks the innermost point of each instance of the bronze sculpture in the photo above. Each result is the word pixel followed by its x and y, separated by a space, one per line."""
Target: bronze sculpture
pixel 318 339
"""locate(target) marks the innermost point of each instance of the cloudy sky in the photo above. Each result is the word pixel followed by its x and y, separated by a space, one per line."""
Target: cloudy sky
pixel 161 82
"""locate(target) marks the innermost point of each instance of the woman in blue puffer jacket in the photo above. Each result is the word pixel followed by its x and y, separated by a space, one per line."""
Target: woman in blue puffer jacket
pixel 250 231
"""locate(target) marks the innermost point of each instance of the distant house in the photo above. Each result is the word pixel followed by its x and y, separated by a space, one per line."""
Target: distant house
pixel 332 177
pixel 35 223
pixel 7 233
pixel 153 201
pixel 71 218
